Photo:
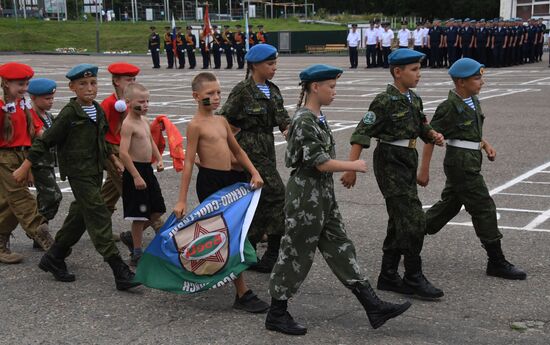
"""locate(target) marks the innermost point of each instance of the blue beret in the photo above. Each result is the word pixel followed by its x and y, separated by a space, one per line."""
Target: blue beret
pixel 261 53
pixel 320 72
pixel 405 56
pixel 41 86
pixel 465 68
pixel 83 70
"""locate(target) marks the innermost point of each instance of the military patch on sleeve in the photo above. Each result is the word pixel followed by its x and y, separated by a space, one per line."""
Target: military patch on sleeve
pixel 369 118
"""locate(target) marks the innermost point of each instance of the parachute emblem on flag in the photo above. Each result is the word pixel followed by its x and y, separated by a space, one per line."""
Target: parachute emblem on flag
pixel 203 247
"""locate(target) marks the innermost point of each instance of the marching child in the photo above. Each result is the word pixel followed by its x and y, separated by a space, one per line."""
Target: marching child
pixel 254 107
pixel 396 119
pixel 79 133
pixel 460 119
pixel 310 191
pixel 17 129
pixel 210 137
pixel 42 92
pixel 141 196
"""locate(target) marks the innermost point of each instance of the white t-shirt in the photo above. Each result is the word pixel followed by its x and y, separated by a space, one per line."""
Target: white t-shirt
pixel 425 38
pixel 371 35
pixel 387 38
pixel 418 36
pixel 353 39
pixel 404 36
pixel 380 31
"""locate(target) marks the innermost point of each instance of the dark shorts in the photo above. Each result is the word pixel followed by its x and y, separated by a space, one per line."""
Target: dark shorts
pixel 209 181
pixel 140 204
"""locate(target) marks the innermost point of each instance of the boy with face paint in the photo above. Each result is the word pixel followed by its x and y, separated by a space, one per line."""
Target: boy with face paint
pixel 460 119
pixel 211 139
pixel 79 133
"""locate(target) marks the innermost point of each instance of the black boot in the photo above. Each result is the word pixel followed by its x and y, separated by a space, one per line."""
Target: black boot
pixel 266 263
pixel 124 277
pixel 389 279
pixel 53 261
pixel 278 319
pixel 127 239
pixel 378 311
pixel 498 266
pixel 415 279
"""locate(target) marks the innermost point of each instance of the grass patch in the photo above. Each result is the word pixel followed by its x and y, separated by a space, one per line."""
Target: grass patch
pixel 33 35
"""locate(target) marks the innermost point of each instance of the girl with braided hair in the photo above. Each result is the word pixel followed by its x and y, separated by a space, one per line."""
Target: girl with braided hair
pixel 17 129
pixel 254 107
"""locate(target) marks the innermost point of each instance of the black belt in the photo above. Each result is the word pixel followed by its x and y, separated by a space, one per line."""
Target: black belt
pixel 15 148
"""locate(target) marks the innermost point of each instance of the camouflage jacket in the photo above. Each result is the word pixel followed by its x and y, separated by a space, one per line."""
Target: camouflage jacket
pixel 49 159
pixel 391 117
pixel 310 142
pixel 81 145
pixel 456 120
pixel 249 109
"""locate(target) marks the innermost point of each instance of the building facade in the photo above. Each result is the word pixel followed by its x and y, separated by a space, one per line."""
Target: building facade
pixel 525 9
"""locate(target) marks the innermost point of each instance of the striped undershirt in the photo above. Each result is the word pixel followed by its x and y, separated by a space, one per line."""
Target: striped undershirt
pixel 470 102
pixel 47 120
pixel 408 94
pixel 91 111
pixel 265 89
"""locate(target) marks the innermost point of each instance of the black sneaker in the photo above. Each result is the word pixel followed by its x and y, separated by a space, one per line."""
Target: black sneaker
pixel 127 239
pixel 251 303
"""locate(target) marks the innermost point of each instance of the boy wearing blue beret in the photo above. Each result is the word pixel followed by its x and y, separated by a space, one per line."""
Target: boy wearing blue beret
pixel 460 119
pixel 396 119
pixel 313 220
pixel 42 92
pixel 79 133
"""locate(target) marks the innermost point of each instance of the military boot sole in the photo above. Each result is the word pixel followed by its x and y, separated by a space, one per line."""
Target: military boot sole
pixel 46 266
pixel 126 285
pixel 389 285
pixel 378 321
pixel 10 259
pixel 282 329
pixel 507 275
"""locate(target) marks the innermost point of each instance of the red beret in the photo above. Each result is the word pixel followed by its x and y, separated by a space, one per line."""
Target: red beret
pixel 123 68
pixel 15 70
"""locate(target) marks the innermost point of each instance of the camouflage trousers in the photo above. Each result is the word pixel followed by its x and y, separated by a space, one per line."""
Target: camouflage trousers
pixel 17 203
pixel 395 170
pixel 112 187
pixel 269 216
pixel 312 221
pixel 48 193
pixel 468 189
pixel 88 213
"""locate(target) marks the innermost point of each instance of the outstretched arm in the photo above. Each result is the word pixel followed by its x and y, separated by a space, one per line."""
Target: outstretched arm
pixel 423 177
pixel 256 181
pixel 191 151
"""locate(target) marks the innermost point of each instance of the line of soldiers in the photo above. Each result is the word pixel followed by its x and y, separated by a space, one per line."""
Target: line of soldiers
pixel 231 44
pixel 494 43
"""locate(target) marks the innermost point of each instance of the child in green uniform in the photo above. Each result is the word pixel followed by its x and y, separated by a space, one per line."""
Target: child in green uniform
pixel 79 133
pixel 253 108
pixel 396 119
pixel 312 216
pixel 460 119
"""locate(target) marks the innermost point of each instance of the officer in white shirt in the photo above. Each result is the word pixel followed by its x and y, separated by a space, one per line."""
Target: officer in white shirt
pixel 404 36
pixel 379 28
pixel 371 41
pixel 354 38
pixel 426 50
pixel 418 38
pixel 386 41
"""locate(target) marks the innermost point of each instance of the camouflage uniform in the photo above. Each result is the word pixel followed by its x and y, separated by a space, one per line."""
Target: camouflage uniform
pixel 112 187
pixel 393 117
pixel 312 216
pixel 249 109
pixel 465 185
pixel 82 151
pixel 48 193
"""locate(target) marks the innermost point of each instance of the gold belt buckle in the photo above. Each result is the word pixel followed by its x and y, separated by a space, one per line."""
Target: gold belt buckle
pixel 412 143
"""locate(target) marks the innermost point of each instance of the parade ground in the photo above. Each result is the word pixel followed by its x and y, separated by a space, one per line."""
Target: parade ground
pixel 476 309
